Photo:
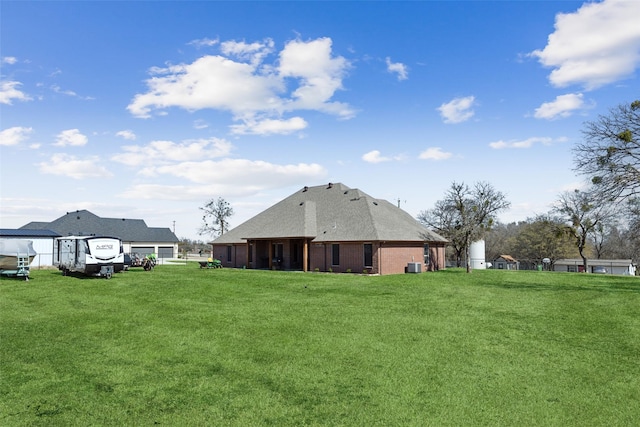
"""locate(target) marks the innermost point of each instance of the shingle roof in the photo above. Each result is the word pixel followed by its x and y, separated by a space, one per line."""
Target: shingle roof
pixel 24 232
pixel 83 222
pixel 331 213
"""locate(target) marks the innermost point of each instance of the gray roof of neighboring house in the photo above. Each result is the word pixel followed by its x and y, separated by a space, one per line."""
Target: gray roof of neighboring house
pixel 22 232
pixel 331 213
pixel 83 222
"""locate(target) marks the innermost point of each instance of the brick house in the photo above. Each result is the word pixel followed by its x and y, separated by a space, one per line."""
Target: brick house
pixel 331 228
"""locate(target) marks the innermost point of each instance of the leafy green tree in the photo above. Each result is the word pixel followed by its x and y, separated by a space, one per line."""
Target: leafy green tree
pixel 215 217
pixel 466 213
pixel 543 237
pixel 610 153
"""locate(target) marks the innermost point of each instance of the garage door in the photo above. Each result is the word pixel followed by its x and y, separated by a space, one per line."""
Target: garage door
pixel 165 251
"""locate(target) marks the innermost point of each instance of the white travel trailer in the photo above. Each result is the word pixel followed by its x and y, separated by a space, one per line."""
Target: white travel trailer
pixel 90 255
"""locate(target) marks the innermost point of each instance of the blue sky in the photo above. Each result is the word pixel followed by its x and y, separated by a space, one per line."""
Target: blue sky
pixel 149 109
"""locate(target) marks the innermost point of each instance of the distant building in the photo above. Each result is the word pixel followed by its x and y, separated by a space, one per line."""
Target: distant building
pixel 136 236
pixel 602 266
pixel 42 243
pixel 332 228
pixel 506 262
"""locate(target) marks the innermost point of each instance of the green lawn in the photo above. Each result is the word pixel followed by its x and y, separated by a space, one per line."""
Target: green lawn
pixel 184 346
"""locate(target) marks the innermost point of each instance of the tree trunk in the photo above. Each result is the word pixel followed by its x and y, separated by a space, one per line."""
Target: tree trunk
pixel 468 254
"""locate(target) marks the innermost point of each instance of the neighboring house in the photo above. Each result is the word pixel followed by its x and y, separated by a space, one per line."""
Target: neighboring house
pixel 506 262
pixel 604 266
pixel 332 228
pixel 42 243
pixel 136 236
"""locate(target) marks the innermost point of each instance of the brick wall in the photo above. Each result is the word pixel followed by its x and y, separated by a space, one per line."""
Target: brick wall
pixel 388 257
pixel 396 256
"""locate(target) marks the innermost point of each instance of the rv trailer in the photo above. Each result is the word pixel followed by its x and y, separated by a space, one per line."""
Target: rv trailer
pixel 91 255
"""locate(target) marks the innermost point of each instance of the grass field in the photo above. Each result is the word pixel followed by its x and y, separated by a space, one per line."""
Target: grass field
pixel 183 346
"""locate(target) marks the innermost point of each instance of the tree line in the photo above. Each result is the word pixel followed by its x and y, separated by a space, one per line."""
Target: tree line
pixel 602 220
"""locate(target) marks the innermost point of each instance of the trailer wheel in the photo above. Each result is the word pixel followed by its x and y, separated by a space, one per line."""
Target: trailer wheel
pixel 108 276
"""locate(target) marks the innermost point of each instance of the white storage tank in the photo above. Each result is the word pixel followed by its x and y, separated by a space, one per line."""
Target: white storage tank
pixel 477 255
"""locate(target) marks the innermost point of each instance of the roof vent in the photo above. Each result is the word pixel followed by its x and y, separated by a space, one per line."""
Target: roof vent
pixel 330 185
pixel 301 203
pixel 375 203
pixel 305 189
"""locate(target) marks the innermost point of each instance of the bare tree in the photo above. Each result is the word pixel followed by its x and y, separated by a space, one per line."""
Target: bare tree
pixel 583 215
pixel 610 153
pixel 444 221
pixel 215 217
pixel 465 214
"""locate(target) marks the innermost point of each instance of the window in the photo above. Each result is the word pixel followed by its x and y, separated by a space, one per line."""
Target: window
pixel 250 252
pixel 335 254
pixel 229 253
pixel 427 256
pixel 368 255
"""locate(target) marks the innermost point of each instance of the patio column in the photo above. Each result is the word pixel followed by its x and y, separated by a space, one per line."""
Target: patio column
pixel 248 254
pixel 305 255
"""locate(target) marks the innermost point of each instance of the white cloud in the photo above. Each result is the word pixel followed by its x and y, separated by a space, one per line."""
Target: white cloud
pixel 72 167
pixel 9 91
pixel 251 52
pixel 209 82
pixel 562 106
pixel 205 42
pixel 526 143
pixel 227 176
pixel 59 90
pixel 457 110
pixel 398 68
pixel 269 126
pixel 243 172
pixel 374 157
pixel 165 152
pixel 14 135
pixel 200 124
pixel 9 60
pixel 594 46
pixel 319 75
pixel 252 90
pixel 126 134
pixel 71 137
pixel 435 153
